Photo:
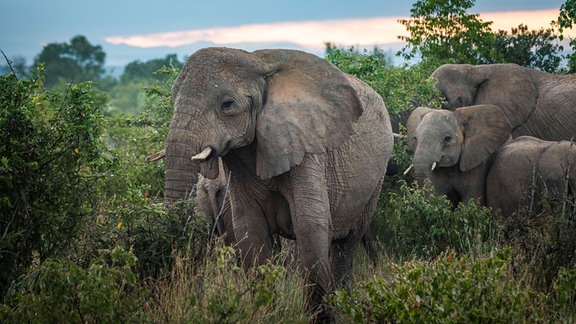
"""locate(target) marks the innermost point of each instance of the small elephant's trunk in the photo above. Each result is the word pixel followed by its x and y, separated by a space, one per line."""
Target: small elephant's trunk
pixel 423 170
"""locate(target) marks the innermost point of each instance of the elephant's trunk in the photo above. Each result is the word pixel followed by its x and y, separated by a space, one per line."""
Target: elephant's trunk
pixel 181 172
pixel 423 169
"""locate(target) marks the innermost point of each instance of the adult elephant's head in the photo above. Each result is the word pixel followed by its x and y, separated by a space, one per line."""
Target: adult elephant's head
pixel 465 137
pixel 226 99
pixel 507 86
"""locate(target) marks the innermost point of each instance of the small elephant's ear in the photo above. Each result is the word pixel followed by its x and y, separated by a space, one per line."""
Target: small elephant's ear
pixel 486 128
pixel 310 107
pixel 507 86
pixel 412 123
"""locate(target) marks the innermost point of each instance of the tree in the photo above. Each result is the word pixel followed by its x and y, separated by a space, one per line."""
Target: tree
pixel 567 18
pixel 441 30
pixel 148 69
pixel 128 95
pixel 530 48
pixel 77 61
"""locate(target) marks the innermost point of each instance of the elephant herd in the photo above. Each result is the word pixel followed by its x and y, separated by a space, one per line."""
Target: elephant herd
pixel 504 137
pixel 286 145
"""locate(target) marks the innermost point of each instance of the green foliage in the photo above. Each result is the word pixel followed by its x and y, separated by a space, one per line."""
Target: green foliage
pixel 529 48
pixel 397 85
pixel 566 19
pixel 452 288
pixel 442 31
pixel 144 83
pixel 49 143
pixel 415 222
pixel 77 61
pixel 60 291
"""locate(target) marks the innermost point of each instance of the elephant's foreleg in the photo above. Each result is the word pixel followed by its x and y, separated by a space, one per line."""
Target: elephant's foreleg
pixel 310 212
pixel 252 234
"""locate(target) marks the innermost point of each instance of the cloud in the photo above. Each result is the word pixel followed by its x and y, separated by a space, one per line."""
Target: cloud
pixel 308 34
pixel 313 35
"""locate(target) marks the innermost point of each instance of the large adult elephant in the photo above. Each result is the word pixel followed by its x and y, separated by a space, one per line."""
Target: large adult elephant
pixel 453 149
pixel 528 170
pixel 292 130
pixel 536 103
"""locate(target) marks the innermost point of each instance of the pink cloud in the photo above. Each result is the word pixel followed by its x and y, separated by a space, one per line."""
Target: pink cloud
pixel 314 34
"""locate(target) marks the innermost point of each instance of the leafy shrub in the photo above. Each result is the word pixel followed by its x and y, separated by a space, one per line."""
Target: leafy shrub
pixel 415 222
pixel 49 150
pixel 452 288
pixel 59 291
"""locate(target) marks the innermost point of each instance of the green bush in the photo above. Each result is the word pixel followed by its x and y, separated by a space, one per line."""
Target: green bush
pixel 59 291
pixel 49 151
pixel 450 289
pixel 413 222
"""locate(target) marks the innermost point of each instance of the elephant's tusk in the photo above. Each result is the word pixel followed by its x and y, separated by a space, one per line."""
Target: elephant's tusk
pixel 202 155
pixel 395 135
pixel 156 156
pixel 433 166
pixel 408 170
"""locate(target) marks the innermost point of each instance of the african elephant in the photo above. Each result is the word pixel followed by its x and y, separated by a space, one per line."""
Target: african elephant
pixel 454 148
pixel 529 169
pixel 536 103
pixel 292 130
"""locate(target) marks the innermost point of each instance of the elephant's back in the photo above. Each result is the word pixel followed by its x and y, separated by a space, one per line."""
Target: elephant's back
pixel 510 177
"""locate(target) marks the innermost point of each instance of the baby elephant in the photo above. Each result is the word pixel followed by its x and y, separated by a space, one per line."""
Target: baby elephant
pixel 528 170
pixel 211 201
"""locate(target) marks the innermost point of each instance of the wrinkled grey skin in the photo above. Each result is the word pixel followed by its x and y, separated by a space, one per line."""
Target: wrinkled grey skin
pixel 213 202
pixel 460 144
pixel 294 131
pixel 528 169
pixel 536 103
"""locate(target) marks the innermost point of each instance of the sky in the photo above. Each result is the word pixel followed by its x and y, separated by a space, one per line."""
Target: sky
pixel 130 30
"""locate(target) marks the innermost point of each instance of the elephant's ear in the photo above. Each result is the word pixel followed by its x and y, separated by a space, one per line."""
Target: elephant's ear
pixel 310 107
pixel 412 123
pixel 486 129
pixel 507 86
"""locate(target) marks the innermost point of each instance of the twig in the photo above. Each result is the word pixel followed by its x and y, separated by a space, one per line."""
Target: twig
pixel 9 64
pixel 221 212
pixel 567 178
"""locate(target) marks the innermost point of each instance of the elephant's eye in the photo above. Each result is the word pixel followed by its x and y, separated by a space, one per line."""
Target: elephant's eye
pixel 226 104
pixel 447 138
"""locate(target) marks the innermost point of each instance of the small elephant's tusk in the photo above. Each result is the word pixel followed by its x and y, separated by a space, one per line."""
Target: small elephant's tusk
pixel 202 155
pixel 156 156
pixel 433 166
pixel 408 170
pixel 395 135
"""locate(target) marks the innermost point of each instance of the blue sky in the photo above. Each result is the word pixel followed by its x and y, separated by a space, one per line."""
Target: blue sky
pixel 131 30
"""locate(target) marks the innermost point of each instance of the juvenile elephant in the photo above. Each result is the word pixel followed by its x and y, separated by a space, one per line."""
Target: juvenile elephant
pixel 212 201
pixel 454 148
pixel 292 130
pixel 527 170
pixel 536 103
